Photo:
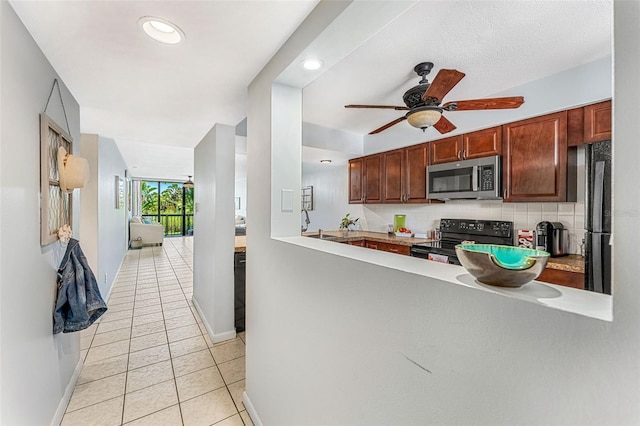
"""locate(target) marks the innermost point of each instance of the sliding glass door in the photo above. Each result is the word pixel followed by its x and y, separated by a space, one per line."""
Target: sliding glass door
pixel 170 204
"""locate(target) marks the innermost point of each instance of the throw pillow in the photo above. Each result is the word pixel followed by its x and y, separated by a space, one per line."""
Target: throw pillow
pixel 147 221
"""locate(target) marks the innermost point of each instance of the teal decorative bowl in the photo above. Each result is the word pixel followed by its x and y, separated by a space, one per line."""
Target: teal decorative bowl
pixel 504 266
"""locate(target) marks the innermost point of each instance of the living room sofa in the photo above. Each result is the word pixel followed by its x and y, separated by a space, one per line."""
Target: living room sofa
pixel 148 233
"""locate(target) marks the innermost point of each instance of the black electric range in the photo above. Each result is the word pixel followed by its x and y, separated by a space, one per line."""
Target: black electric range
pixel 455 231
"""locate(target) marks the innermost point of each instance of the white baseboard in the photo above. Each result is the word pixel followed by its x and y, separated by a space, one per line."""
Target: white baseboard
pixel 62 406
pixel 251 410
pixel 215 338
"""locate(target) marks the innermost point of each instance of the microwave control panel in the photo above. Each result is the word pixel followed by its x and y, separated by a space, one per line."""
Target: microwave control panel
pixel 486 178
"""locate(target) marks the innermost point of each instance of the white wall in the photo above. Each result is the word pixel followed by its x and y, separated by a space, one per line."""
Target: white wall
pixel 362 344
pixel 330 181
pixel 213 241
pixel 331 195
pixel 36 366
pixel 112 223
pixel 89 201
pixel 105 228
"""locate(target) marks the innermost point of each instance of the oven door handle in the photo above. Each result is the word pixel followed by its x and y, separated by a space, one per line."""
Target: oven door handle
pixel 474 178
pixel 420 251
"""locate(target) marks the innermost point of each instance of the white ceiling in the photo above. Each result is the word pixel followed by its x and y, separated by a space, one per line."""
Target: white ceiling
pixel 497 44
pixel 140 92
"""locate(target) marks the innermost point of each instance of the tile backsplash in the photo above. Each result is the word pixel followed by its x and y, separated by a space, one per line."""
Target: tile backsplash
pixel 523 215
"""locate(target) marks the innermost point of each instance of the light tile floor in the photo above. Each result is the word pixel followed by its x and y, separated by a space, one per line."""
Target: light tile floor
pixel 149 359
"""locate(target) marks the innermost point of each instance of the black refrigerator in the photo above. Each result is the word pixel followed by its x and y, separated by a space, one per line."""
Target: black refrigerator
pixel 598 217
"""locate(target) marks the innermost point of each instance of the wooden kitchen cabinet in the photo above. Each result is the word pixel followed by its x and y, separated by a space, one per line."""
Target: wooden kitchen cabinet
pixel 404 177
pixel 388 247
pixel 483 143
pixel 446 150
pixel 394 248
pixel 589 124
pixel 371 244
pixel 365 179
pixel 597 122
pixel 535 159
pixel 575 127
pixel 393 172
pixel 356 181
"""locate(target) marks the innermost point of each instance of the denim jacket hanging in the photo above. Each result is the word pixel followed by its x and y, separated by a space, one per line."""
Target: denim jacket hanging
pixel 78 303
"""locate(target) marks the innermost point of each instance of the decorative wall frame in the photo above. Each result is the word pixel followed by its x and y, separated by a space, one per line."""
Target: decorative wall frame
pixel 119 185
pixel 55 206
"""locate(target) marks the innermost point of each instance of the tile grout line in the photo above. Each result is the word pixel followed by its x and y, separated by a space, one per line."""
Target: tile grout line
pixel 173 371
pixel 126 375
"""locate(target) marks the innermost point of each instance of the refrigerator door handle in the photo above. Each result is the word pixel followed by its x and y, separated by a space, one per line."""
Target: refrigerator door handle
pixel 596 263
pixel 598 196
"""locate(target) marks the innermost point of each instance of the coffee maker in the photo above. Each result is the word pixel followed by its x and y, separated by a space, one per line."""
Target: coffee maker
pixel 552 237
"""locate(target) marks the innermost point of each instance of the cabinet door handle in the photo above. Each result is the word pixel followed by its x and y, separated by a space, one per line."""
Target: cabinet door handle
pixel 393 250
pixel 459 155
pixel 504 193
pixel 464 154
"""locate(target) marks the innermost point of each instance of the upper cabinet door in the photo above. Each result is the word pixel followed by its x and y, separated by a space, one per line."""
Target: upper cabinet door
pixel 446 150
pixel 597 122
pixel 392 176
pixel 373 178
pixel 417 159
pixel 356 183
pixel 483 143
pixel 535 159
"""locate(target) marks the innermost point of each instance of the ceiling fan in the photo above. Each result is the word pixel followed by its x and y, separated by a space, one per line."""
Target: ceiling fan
pixel 423 101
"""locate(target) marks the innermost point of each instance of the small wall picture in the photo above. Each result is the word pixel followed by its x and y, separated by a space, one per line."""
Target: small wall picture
pixel 119 192
pixel 237 203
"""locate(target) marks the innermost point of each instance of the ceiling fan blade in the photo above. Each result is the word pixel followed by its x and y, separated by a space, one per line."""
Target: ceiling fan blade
pixel 397 108
pixel 443 83
pixel 444 126
pixel 489 103
pixel 386 126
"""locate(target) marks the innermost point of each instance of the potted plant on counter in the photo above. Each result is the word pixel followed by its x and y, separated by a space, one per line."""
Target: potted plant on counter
pixel 348 224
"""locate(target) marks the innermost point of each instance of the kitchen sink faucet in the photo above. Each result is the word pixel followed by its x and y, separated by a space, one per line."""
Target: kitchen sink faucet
pixel 306 221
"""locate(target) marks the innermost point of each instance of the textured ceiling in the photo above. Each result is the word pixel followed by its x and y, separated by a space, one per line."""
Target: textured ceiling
pixel 497 44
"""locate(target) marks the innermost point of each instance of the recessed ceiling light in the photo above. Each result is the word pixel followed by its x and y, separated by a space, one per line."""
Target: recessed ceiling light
pixel 325 161
pixel 312 64
pixel 161 30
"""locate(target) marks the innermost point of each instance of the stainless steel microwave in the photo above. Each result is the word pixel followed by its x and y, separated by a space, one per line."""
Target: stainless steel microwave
pixel 479 178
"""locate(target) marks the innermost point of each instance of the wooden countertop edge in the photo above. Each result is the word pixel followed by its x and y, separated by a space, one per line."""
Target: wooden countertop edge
pixel 571 263
pixel 240 244
pixel 379 237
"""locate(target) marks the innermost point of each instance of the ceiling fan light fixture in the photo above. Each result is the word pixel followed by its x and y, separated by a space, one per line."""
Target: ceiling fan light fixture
pixel 312 64
pixel 188 183
pixel 161 30
pixel 424 117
